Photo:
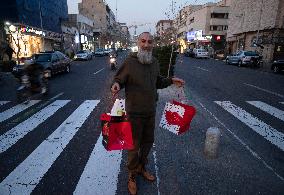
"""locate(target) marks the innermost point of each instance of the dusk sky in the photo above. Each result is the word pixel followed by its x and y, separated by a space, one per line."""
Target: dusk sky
pixel 146 11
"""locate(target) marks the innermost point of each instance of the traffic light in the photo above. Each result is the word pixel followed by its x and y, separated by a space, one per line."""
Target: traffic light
pixel 218 38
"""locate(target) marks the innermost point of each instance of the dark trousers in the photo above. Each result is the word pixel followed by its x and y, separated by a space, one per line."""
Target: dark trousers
pixel 143 139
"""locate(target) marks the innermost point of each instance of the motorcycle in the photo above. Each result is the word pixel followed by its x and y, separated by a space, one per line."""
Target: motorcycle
pixel 32 85
pixel 113 62
pixel 256 62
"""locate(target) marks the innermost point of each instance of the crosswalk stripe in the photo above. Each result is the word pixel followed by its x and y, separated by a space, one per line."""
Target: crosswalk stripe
pixel 100 175
pixel 3 102
pixel 269 109
pixel 16 109
pixel 268 132
pixel 25 177
pixel 18 132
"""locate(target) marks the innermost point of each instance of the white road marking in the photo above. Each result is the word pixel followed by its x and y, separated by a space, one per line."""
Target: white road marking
pixel 156 169
pixel 265 90
pixel 16 109
pixel 15 134
pixel 202 69
pixel 253 153
pixel 268 132
pixel 281 102
pixel 3 102
pixel 269 109
pixel 28 174
pixel 100 175
pixel 99 71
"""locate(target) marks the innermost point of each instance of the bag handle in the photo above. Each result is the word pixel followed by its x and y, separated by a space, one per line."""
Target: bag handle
pixel 111 103
pixel 183 94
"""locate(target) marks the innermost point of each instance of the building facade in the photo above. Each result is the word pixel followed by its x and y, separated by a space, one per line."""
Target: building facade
pixel 257 26
pixel 33 26
pixel 203 26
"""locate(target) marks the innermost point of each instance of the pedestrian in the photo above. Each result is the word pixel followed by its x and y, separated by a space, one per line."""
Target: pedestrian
pixel 139 75
pixel 9 51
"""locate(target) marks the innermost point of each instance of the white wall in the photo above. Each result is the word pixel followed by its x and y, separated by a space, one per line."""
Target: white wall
pixel 73 6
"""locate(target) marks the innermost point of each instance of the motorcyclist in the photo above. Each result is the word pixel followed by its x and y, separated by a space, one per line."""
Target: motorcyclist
pixel 113 53
pixel 35 72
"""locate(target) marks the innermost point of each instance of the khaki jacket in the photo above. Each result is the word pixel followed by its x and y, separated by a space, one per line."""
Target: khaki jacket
pixel 141 82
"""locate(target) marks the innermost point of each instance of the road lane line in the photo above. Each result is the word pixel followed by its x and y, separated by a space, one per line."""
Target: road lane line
pixel 269 109
pixel 16 109
pixel 25 177
pixel 15 134
pixel 268 132
pixel 99 71
pixel 265 90
pixel 3 102
pixel 253 153
pixel 100 175
pixel 156 169
pixel 202 69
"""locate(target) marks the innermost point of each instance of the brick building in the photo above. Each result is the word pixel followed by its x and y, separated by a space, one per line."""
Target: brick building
pixel 257 25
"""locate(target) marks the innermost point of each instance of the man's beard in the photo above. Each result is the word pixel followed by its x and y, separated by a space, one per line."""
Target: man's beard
pixel 144 56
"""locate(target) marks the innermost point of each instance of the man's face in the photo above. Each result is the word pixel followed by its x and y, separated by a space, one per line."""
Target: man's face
pixel 145 42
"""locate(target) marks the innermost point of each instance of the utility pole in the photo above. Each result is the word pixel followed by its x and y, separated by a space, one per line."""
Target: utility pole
pixel 41 25
pixel 259 22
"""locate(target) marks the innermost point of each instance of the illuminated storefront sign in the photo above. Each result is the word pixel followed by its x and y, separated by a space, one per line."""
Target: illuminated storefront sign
pixel 194 35
pixel 31 30
pixel 197 36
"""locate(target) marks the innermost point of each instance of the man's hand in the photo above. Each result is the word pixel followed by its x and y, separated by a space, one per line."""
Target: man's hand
pixel 115 88
pixel 178 82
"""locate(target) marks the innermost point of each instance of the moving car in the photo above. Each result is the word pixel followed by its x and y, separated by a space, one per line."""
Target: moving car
pixel 278 66
pixel 242 58
pixel 200 53
pixel 83 55
pixel 53 62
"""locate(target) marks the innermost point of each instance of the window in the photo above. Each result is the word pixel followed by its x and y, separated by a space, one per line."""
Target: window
pixel 217 28
pixel 219 15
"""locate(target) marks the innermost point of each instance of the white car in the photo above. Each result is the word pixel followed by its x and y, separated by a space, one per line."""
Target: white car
pixel 200 53
pixel 83 55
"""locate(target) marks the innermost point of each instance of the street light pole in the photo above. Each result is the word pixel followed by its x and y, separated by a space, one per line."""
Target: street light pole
pixel 41 25
pixel 259 21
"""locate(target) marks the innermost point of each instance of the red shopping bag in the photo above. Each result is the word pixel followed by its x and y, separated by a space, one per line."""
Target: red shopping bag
pixel 117 132
pixel 177 117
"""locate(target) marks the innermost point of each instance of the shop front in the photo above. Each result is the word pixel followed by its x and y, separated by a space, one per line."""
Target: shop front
pixel 26 40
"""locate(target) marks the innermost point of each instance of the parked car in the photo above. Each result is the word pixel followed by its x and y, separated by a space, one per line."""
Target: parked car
pixel 200 53
pixel 189 53
pixel 99 52
pixel 83 55
pixel 242 58
pixel 53 63
pixel 278 66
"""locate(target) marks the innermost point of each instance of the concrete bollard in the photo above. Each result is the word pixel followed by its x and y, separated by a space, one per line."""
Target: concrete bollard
pixel 212 142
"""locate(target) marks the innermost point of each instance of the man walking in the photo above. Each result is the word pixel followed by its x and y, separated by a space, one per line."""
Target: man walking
pixel 140 76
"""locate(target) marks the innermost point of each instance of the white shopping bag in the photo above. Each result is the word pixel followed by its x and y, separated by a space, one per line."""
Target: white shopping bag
pixel 118 108
pixel 169 107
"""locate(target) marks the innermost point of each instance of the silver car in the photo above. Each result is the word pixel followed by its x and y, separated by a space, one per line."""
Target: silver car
pixel 200 53
pixel 242 58
pixel 83 55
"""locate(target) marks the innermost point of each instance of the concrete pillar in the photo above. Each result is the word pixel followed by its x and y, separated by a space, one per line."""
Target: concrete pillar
pixel 212 143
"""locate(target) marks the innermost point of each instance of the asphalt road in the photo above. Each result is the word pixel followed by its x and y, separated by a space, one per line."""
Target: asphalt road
pixel 54 145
